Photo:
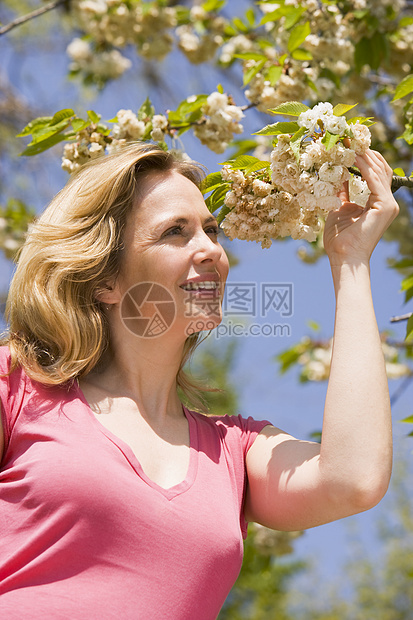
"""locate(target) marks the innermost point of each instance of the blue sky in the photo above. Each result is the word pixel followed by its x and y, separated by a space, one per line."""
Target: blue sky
pixel 41 79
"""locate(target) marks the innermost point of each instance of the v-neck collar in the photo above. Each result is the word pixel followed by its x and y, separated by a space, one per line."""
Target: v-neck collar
pixel 130 456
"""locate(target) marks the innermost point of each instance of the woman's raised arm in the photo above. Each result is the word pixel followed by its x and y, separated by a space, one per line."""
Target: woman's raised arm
pixel 295 484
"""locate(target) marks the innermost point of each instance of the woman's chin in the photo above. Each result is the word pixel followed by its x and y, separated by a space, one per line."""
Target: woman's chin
pixel 202 324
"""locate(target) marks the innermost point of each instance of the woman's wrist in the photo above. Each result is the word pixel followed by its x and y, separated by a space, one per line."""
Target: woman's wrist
pixel 350 270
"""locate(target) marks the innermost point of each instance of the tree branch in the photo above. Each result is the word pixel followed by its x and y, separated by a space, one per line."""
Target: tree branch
pixel 403 317
pixel 397 182
pixel 40 11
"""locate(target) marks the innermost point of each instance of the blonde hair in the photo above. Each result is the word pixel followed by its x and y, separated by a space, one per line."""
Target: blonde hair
pixel 58 330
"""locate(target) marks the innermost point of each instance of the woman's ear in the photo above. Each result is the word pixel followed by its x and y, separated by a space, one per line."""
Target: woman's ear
pixel 108 293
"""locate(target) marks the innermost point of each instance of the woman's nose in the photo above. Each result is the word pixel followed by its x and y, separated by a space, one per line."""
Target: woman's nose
pixel 207 248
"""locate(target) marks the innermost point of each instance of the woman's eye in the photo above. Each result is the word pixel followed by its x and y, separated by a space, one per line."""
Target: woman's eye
pixel 214 230
pixel 176 230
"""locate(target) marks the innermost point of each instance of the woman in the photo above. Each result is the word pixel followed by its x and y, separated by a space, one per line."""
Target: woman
pixel 117 501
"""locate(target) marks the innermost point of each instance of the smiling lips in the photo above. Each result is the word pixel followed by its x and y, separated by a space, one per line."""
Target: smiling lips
pixel 208 285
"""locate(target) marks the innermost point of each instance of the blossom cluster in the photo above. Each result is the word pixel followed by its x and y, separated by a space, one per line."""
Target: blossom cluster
pixel 292 84
pixel 221 121
pixel 320 171
pixel 257 212
pixel 10 240
pixel 316 361
pixel 88 144
pixel 151 27
pixel 202 36
pixel 303 184
pixel 331 47
pixel 106 65
pixel 96 140
pixel 14 221
pixel 118 23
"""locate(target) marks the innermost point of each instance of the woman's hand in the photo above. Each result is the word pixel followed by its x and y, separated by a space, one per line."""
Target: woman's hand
pixel 351 232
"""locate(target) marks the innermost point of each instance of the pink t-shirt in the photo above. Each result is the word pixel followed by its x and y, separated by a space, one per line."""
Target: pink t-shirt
pixel 85 534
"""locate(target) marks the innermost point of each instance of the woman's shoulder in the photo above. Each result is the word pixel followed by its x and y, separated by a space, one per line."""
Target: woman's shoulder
pixel 246 428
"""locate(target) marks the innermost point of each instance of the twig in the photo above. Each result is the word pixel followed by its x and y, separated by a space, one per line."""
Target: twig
pixel 25 18
pixel 403 317
pixel 399 182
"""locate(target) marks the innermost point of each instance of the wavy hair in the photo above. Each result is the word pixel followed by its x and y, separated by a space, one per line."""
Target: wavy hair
pixel 58 330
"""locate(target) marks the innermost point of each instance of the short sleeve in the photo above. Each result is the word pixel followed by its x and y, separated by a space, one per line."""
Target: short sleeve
pixel 250 429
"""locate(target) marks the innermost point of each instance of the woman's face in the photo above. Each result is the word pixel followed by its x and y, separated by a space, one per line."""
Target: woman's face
pixel 171 241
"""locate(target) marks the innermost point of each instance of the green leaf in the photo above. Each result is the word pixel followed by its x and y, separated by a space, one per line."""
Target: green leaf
pixel 239 24
pixel 408 295
pixel 216 199
pixel 79 124
pixel 408 420
pixel 242 162
pixel 404 88
pixel 407 283
pixel 146 110
pixel 252 71
pixel 301 54
pixel 220 89
pixel 105 131
pixel 34 125
pixel 289 357
pixel 363 120
pixel 211 181
pixel 221 215
pixel 187 112
pixel 274 16
pixel 293 16
pixel 313 325
pixel 50 130
pixel 251 56
pixel 273 74
pixel 409 328
pixel 405 21
pixel 407 135
pixel 295 142
pixel 329 140
pixel 278 128
pixel 316 436
pixel 360 13
pixel 95 118
pixel 298 35
pixel 341 108
pixel 258 165
pixel 250 16
pixel 290 108
pixel 61 116
pixel 403 264
pixel 210 6
pixel 399 172
pixel 35 149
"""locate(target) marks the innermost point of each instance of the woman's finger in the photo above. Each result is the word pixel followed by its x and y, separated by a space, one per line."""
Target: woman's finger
pixel 343 194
